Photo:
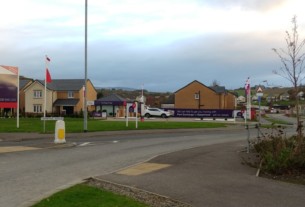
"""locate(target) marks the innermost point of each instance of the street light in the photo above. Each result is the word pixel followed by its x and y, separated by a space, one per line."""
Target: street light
pixel 85 92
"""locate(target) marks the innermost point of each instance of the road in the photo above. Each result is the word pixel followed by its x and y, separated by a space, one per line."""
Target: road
pixel 28 176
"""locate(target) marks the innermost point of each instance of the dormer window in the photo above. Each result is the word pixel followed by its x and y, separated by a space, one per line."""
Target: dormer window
pixel 70 94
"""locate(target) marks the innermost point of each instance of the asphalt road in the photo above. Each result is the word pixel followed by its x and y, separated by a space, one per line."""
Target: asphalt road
pixel 28 176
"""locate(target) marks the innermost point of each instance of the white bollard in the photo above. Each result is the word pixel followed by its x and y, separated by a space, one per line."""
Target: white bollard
pixel 60 132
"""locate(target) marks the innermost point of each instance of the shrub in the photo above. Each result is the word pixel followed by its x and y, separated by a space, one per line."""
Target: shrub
pixel 281 155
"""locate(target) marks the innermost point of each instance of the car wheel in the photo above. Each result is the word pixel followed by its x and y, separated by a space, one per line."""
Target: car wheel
pixel 163 115
pixel 147 115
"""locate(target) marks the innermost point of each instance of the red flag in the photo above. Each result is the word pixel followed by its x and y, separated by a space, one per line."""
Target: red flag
pixel 48 76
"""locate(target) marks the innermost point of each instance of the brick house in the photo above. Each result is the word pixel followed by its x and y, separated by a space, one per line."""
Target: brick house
pixel 23 84
pixel 64 97
pixel 196 95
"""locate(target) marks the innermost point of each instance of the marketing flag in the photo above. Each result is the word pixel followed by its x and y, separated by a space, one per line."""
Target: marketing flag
pixel 48 76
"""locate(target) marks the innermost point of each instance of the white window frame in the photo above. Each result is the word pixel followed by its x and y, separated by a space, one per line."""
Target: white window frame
pixel 70 94
pixel 37 93
pixel 197 96
pixel 37 108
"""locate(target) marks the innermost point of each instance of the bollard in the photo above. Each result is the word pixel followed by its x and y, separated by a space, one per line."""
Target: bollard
pixel 60 132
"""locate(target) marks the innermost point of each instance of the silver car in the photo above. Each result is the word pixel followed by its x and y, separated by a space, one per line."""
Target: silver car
pixel 156 112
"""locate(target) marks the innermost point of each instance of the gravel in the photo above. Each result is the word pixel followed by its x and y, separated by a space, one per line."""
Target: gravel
pixel 151 199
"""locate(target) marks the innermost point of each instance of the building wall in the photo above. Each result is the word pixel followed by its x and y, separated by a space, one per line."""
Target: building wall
pixel 209 99
pixel 185 97
pixel 30 101
pixel 230 101
pixel 22 97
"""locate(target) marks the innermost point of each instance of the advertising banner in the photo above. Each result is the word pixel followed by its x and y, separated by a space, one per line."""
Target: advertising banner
pixel 202 113
pixel 8 86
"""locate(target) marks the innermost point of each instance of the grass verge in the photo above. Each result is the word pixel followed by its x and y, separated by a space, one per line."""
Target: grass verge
pixel 87 196
pixel 277 121
pixel 74 125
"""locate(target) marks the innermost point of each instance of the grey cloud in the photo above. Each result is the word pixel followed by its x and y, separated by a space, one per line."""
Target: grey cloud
pixel 227 59
pixel 248 4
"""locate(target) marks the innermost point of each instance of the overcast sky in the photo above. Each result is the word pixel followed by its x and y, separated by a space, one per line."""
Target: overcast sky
pixel 163 44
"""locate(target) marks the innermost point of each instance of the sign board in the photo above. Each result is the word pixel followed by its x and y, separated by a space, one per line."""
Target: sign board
pixel 52 118
pixel 90 103
pixel 203 113
pixel 259 94
pixel 8 86
pixel 131 109
pixel 104 114
pixel 259 90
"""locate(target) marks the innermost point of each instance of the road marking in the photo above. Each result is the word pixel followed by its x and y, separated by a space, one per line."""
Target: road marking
pixel 16 149
pixel 143 169
pixel 85 144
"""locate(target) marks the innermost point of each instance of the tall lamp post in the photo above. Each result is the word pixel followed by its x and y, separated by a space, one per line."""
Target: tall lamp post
pixel 85 91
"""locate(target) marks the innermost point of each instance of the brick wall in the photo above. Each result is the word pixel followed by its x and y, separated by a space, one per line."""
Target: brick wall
pixel 209 99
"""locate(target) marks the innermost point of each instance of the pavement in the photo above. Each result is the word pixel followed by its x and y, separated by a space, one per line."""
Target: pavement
pixel 209 176
pixel 213 175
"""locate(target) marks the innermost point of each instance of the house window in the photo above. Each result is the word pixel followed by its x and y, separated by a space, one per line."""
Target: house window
pixel 37 108
pixel 70 94
pixel 197 95
pixel 37 94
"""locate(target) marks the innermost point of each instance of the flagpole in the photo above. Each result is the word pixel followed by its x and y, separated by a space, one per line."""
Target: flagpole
pixel 45 96
pixel 18 88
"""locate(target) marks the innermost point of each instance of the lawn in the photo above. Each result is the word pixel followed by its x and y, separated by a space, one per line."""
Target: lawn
pixel 86 196
pixel 74 125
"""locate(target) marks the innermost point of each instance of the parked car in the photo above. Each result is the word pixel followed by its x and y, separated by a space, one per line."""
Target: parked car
pixel 273 110
pixel 156 112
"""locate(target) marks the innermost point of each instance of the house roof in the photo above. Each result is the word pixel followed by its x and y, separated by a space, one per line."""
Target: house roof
pixel 64 84
pixel 219 89
pixel 66 102
pixel 23 83
pixel 195 81
pixel 216 89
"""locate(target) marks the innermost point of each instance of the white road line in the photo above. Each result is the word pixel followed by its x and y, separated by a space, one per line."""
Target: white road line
pixel 85 144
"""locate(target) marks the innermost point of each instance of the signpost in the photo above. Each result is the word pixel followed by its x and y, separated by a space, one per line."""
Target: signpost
pixel 259 94
pixel 52 118
pixel 130 108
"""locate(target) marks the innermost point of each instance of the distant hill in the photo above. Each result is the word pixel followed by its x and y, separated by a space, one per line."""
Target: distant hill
pixel 116 88
pixel 266 91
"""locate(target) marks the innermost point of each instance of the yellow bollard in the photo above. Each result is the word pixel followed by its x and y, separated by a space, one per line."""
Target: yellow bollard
pixel 60 132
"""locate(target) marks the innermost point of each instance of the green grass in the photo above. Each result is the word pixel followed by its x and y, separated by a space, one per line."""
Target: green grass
pixel 86 196
pixel 277 121
pixel 74 125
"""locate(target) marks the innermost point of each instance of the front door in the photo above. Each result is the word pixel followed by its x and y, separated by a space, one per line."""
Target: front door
pixel 69 110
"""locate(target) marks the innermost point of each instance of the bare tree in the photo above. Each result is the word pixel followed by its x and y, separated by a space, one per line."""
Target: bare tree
pixel 292 59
